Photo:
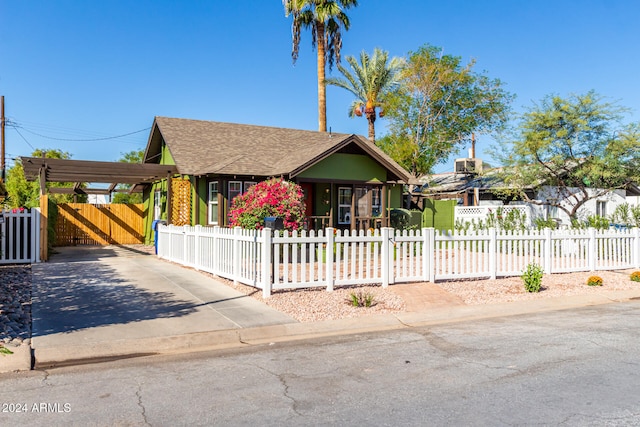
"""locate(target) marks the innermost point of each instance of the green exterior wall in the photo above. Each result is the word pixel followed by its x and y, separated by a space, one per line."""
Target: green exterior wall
pixel 348 167
pixel 439 214
pixel 199 200
pixel 147 198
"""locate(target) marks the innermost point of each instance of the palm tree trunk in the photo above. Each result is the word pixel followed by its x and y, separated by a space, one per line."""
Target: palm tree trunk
pixel 370 114
pixel 322 88
pixel 372 132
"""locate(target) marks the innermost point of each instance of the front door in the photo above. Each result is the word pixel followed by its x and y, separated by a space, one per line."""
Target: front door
pixel 307 189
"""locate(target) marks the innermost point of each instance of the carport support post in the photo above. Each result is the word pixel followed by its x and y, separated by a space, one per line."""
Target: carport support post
pixel 169 207
pixel 44 217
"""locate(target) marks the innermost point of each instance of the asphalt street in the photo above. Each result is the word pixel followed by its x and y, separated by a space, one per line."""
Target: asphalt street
pixel 570 367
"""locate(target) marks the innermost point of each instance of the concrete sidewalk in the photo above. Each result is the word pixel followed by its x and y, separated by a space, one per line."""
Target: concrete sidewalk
pixel 107 303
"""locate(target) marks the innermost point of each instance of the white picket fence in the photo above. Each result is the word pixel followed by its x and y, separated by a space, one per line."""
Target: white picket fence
pixel 20 236
pixel 269 261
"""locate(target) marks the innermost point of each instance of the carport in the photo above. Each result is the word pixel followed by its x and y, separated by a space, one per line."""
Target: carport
pixel 81 172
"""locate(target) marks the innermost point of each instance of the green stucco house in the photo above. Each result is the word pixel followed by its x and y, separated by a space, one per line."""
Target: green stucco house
pixel 348 182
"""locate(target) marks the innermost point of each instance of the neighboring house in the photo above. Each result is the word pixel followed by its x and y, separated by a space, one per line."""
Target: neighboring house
pixel 348 182
pixel 471 189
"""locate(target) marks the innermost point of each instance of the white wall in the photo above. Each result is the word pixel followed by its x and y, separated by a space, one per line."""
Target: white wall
pixel 612 199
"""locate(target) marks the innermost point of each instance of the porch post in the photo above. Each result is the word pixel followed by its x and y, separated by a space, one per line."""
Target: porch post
pixel 383 207
pixel 352 226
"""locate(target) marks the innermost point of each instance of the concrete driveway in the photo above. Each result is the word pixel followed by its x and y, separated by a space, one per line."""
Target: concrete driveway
pixel 108 296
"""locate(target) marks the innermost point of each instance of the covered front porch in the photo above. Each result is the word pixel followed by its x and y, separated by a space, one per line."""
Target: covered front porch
pixel 351 205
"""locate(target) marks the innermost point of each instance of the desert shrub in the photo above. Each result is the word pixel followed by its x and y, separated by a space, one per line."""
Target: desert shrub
pixel 501 219
pixel 635 276
pixel 593 221
pixel 361 299
pixel 532 277
pixel 626 215
pixel 594 281
pixel 271 198
pixel 542 223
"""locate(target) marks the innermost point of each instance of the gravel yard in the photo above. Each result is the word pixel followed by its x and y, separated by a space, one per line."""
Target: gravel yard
pixel 15 305
pixel 317 304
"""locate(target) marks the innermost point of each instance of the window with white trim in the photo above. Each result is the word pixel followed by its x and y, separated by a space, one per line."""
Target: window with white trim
pixel 601 208
pixel 157 204
pixel 375 201
pixel 213 203
pixel 344 205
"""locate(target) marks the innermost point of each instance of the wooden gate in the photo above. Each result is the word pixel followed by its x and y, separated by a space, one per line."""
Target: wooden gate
pixel 84 224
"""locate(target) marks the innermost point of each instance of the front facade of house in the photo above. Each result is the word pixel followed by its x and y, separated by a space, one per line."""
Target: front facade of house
pixel 347 181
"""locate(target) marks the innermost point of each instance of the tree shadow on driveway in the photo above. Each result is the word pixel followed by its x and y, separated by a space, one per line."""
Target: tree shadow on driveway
pixel 71 296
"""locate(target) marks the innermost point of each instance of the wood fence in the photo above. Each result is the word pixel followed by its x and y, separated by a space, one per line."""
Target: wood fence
pixel 329 257
pixel 85 224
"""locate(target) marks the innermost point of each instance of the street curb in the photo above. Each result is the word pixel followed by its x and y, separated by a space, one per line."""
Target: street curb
pixel 50 357
pixel 20 360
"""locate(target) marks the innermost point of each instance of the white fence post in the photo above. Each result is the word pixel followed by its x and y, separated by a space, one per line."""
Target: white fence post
pixel 196 247
pixel 428 249
pixel 328 261
pixel 266 239
pixel 547 260
pixel 185 245
pixel 237 232
pixel 493 253
pixel 35 235
pixel 636 247
pixel 386 266
pixel 592 249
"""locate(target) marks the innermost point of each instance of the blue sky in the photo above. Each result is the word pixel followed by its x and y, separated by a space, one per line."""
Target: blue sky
pixel 73 69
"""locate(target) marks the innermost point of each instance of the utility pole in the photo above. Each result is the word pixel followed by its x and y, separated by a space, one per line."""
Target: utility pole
pixel 2 155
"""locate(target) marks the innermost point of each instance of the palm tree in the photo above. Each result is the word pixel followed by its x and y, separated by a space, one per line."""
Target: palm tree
pixel 325 19
pixel 370 81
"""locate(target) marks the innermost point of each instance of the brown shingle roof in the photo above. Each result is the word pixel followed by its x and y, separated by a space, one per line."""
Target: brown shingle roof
pixel 200 147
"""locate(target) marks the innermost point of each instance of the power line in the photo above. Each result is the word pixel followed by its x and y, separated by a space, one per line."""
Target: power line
pixel 16 126
pixel 25 139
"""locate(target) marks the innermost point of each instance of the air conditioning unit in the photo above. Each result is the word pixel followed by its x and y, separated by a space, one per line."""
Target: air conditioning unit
pixel 468 166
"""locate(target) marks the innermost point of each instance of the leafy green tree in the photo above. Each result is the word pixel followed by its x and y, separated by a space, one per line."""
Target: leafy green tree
pixel 440 104
pixel 23 193
pixel 326 20
pixel 573 149
pixel 134 156
pixel 370 81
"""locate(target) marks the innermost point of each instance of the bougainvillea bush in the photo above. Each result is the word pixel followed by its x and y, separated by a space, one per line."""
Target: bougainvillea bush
pixel 274 197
